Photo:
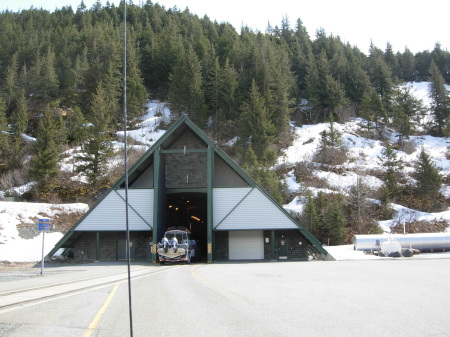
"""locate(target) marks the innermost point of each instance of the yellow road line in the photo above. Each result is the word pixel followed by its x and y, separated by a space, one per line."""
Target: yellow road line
pixel 95 321
pixel 193 273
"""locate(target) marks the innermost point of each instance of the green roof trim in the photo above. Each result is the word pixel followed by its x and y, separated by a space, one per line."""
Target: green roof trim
pixel 184 120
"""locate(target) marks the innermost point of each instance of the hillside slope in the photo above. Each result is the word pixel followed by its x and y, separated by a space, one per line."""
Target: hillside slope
pixel 21 242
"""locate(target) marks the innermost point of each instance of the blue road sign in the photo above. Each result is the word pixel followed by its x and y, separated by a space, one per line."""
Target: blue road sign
pixel 44 224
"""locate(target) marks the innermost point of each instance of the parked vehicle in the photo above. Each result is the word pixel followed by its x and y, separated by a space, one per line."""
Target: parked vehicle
pixel 176 246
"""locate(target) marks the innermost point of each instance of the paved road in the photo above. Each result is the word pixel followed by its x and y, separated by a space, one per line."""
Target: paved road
pixel 392 297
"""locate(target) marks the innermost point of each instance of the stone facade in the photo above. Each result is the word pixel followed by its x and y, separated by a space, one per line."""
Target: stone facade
pixel 186 170
pixel 85 247
pixel 297 247
pixel 221 243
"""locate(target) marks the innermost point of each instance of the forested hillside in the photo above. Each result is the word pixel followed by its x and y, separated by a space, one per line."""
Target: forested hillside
pixel 61 85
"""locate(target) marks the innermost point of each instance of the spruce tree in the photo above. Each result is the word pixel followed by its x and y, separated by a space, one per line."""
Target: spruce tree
pixel 227 93
pixel 136 92
pixel 255 126
pixel 356 79
pixel 331 148
pixel 406 64
pixel 440 99
pixel 18 125
pixel 429 181
pixel 392 61
pixel 44 168
pixel 406 110
pixel 336 223
pixel 186 94
pixel 48 79
pixel 4 137
pixel 372 109
pixel 77 130
pixel 98 148
pixel 281 87
pixel 358 203
pixel 11 83
pixel 393 167
pixel 212 92
pixel 310 217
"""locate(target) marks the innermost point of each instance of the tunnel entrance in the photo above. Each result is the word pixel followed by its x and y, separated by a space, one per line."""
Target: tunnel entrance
pixel 189 210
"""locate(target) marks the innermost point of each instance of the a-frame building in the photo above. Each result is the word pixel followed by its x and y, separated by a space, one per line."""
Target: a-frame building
pixel 185 179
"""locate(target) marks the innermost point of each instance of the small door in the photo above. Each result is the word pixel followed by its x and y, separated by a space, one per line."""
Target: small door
pixel 122 250
pixel 282 248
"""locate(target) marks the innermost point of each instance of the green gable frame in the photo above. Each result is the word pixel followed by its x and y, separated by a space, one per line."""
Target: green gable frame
pixel 212 149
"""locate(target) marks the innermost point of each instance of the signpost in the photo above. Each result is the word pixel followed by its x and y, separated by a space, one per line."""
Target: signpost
pixel 43 225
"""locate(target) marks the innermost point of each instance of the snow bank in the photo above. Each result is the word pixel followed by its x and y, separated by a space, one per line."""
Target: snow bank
pixel 13 248
pixel 147 132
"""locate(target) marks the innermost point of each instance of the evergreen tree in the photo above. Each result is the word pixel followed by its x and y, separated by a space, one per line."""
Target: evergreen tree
pixel 300 48
pixel 18 126
pixel 312 84
pixel 310 217
pixel 256 128
pixel 321 203
pixel 113 92
pixel 356 79
pixel 227 92
pixel 186 94
pixel 48 78
pixel 98 148
pixel 324 214
pixel 331 138
pixel 136 92
pixel 429 181
pixel 44 168
pixel 61 135
pixel 358 203
pixel 406 109
pixel 43 80
pixel 440 99
pixel 406 64
pixel 324 91
pixel 393 167
pixel 281 88
pixel 4 136
pixel 392 61
pixel 331 148
pixel 336 223
pixel 11 84
pixel 77 129
pixel 380 75
pixel 213 89
pixel 372 109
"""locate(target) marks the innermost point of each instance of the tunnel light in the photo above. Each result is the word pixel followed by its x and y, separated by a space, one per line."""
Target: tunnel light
pixel 195 218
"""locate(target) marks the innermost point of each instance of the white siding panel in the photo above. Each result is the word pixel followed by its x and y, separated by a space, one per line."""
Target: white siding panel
pixel 225 199
pixel 246 245
pixel 109 214
pixel 252 211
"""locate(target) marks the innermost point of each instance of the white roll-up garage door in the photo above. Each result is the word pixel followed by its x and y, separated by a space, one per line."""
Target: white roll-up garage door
pixel 246 245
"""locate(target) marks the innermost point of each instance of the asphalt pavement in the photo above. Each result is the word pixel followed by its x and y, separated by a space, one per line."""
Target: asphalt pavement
pixel 380 298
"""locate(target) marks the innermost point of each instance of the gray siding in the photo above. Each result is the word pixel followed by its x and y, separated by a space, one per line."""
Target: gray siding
pixel 247 208
pixel 109 214
pixel 145 180
pixel 225 176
